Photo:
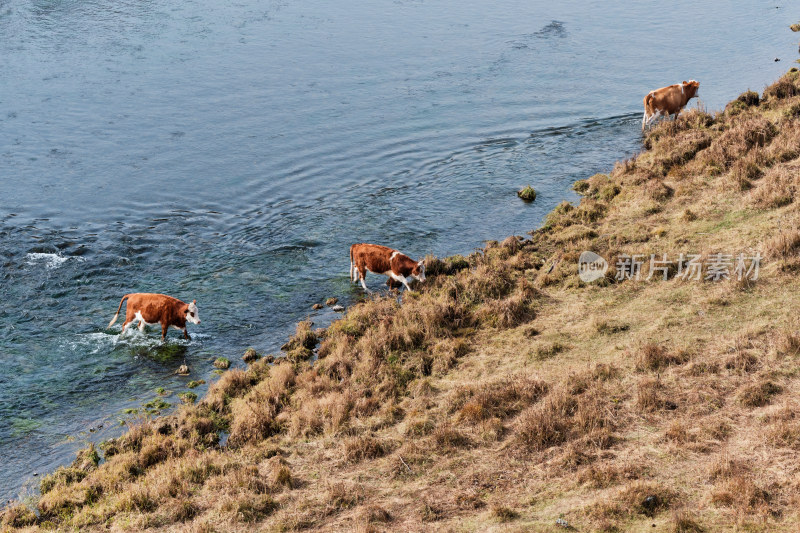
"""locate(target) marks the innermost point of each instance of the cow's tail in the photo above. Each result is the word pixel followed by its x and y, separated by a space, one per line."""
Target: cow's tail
pixel 648 109
pixel 116 316
pixel 352 266
pixel 648 103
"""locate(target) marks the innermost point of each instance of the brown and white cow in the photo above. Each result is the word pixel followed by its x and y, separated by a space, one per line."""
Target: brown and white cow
pixel 668 100
pixel 157 308
pixel 383 260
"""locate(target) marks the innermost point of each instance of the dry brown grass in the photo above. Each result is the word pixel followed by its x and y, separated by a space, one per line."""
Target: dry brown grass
pixel 497 399
pixel 446 437
pixel 562 417
pixel 786 87
pixel 683 521
pixel 644 498
pixel 231 384
pixel 253 416
pixel 758 394
pixel 505 391
pixel 742 493
pixel 654 357
pixel 363 447
pixel 784 244
pixel 503 514
pixel 649 395
pixel 777 188
pixel 17 516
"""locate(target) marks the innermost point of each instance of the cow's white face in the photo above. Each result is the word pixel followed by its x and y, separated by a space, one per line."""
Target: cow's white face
pixel 191 313
pixel 419 272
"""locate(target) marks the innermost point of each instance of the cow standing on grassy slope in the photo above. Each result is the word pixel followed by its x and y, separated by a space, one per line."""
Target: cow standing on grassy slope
pixel 157 308
pixel 383 260
pixel 668 100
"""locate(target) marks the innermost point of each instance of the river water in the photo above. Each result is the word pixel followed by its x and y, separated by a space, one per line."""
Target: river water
pixel 230 152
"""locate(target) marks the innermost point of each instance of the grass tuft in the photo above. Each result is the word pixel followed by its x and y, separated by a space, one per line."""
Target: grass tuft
pixel 527 193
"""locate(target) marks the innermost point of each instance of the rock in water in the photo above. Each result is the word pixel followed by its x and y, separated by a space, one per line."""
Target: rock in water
pixel 338 308
pixel 182 370
pixel 527 193
pixel 316 307
pixel 331 301
pixel 250 356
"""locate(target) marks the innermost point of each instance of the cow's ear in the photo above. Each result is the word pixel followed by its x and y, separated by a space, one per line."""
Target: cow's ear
pixel 685 82
pixel 194 302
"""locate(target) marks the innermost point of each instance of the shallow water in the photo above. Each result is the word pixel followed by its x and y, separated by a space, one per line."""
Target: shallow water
pixel 231 153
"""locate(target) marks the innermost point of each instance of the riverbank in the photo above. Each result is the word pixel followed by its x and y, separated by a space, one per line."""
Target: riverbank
pixel 509 392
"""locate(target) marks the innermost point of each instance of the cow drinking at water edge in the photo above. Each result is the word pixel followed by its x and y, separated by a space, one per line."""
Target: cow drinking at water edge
pixel 668 100
pixel 157 308
pixel 383 260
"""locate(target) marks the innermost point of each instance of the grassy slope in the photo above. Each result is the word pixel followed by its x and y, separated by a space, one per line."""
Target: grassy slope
pixel 507 394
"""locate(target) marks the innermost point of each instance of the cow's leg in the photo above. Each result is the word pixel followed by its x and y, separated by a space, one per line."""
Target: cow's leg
pixel 140 318
pixel 130 316
pixel 365 286
pixel 644 120
pixel 654 116
pixel 402 279
pixel 164 328
pixel 186 334
pixel 363 274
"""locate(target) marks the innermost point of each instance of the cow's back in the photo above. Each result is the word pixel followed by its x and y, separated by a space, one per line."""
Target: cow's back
pixel 669 99
pixel 155 307
pixel 374 257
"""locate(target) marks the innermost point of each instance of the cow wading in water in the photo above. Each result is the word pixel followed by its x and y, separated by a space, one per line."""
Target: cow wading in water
pixel 668 100
pixel 383 260
pixel 157 308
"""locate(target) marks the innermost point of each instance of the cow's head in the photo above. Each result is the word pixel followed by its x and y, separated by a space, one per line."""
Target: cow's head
pixel 690 88
pixel 419 271
pixel 191 313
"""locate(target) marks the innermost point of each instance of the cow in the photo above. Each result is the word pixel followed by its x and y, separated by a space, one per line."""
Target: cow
pixel 668 100
pixel 383 260
pixel 157 308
